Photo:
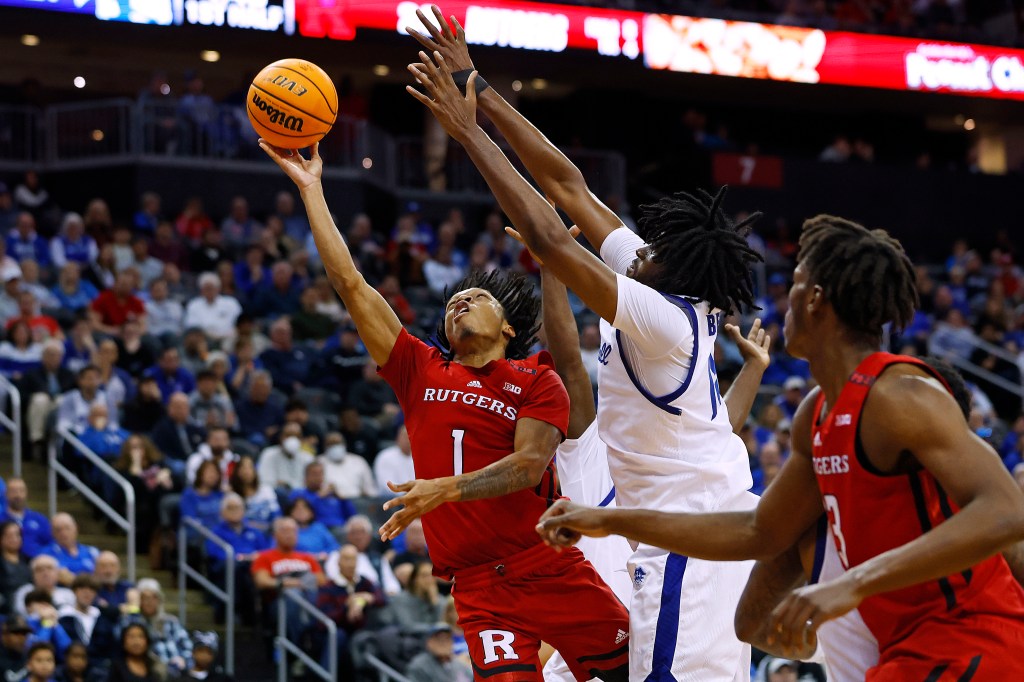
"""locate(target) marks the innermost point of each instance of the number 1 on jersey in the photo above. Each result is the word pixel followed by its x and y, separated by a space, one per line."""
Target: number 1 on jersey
pixel 457 435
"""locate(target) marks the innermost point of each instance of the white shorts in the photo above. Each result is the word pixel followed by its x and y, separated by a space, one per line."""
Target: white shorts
pixel 682 613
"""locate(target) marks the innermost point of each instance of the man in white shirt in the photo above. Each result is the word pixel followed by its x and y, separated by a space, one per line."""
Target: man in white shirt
pixel 163 314
pixel 74 406
pixel 394 463
pixel 283 466
pixel 349 473
pixel 44 577
pixel 212 312
pixel 371 564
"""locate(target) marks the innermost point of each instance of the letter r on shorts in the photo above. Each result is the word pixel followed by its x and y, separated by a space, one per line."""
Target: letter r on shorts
pixel 498 639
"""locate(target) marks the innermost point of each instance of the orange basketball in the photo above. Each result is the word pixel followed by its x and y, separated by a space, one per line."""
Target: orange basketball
pixel 292 103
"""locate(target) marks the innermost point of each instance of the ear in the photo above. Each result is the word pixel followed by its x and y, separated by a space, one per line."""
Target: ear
pixel 816 299
pixel 507 330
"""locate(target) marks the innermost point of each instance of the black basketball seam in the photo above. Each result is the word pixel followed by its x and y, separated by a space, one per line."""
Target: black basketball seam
pixel 268 93
pixel 256 121
pixel 288 68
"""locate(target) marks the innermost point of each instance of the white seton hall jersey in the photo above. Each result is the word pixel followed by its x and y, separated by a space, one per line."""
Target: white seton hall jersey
pixel 847 644
pixel 584 477
pixel 660 411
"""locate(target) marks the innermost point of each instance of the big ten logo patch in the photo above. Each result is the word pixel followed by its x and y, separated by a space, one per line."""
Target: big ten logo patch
pixel 512 388
pixel 603 353
pixel 495 641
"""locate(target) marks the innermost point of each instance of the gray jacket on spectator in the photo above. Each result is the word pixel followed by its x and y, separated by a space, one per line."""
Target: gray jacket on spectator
pixel 410 611
pixel 425 667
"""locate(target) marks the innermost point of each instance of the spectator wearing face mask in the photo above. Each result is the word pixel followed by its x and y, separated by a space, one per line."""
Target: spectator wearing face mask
pixel 348 473
pixel 284 466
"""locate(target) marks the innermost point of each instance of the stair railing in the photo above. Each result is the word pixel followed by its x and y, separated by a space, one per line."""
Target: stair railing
pixel 227 595
pixel 56 468
pixel 13 422
pixel 284 645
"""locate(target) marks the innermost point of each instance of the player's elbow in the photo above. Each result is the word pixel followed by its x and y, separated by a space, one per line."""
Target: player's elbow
pixel 569 183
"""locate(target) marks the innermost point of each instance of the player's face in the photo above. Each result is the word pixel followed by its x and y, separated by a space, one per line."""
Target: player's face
pixel 643 268
pixel 795 327
pixel 474 312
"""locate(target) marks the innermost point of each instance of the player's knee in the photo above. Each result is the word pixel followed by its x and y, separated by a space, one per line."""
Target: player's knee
pixel 620 674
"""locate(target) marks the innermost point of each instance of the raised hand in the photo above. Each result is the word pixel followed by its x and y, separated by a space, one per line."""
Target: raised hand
pixel 303 172
pixel 565 522
pixel 457 114
pixel 452 46
pixel 514 233
pixel 421 496
pixel 755 347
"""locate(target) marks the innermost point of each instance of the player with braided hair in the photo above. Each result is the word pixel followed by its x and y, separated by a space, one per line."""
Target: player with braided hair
pixel 918 507
pixel 483 420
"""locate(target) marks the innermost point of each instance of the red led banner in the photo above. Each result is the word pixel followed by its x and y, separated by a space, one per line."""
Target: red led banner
pixel 523 25
pixel 748 50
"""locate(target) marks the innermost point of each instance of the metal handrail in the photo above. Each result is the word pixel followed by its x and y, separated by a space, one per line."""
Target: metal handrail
pixel 983 373
pixel 993 349
pixel 228 596
pixel 14 424
pixel 283 645
pixel 126 522
pixel 384 671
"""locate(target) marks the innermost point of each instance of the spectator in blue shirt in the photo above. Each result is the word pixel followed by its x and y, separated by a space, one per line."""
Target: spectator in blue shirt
pixel 71 291
pixel 35 528
pixel 170 376
pixel 148 216
pixel 72 556
pixel 23 242
pixel 73 245
pixel 314 538
pixel 330 510
pixel 289 365
pixel 201 500
pixel 111 590
pixel 259 415
pixel 247 542
pixel 277 296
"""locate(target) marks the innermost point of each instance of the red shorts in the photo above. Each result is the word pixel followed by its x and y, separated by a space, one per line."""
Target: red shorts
pixel 541 595
pixel 956 648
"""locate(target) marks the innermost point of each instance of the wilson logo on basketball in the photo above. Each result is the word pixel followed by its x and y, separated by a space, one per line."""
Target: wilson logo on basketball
pixel 289 85
pixel 276 116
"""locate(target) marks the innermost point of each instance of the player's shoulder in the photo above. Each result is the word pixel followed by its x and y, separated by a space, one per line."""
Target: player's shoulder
pixel 908 389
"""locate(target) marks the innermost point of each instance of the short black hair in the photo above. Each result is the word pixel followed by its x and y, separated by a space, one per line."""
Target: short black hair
pixel 519 302
pixel 702 253
pixel 206 374
pixel 38 597
pixel 40 646
pixel 865 274
pixel 88 368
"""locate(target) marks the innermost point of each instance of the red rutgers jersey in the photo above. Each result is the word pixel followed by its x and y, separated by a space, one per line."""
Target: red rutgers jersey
pixel 872 512
pixel 461 419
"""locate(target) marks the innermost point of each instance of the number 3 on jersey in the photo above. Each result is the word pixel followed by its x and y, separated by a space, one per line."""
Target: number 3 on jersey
pixel 835 521
pixel 457 436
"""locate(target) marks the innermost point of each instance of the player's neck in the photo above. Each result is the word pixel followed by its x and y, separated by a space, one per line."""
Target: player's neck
pixel 479 357
pixel 833 361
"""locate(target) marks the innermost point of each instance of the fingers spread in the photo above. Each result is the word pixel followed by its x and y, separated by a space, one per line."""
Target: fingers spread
pixel 445 29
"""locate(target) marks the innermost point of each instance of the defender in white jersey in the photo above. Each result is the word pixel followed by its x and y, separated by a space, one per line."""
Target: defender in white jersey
pixel 582 458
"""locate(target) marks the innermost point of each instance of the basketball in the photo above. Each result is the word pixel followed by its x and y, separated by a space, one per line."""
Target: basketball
pixel 292 103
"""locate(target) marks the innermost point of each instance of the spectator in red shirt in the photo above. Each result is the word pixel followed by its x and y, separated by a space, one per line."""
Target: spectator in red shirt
pixel 282 567
pixel 193 221
pixel 392 293
pixel 167 247
pixel 117 305
pixel 43 326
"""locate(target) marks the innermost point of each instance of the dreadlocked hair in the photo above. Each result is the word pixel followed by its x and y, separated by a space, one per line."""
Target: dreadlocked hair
pixel 518 301
pixel 865 274
pixel 703 254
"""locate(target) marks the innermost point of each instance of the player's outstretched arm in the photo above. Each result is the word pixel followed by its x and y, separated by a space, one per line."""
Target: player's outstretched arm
pixel 755 349
pixel 910 412
pixel 769 583
pixel 535 443
pixel 557 176
pixel 789 506
pixel 564 345
pixel 531 215
pixel 376 322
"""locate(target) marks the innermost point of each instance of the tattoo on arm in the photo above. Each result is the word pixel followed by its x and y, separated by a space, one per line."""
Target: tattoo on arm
pixel 501 478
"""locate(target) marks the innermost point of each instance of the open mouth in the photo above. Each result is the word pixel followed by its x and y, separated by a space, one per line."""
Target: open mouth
pixel 460 310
